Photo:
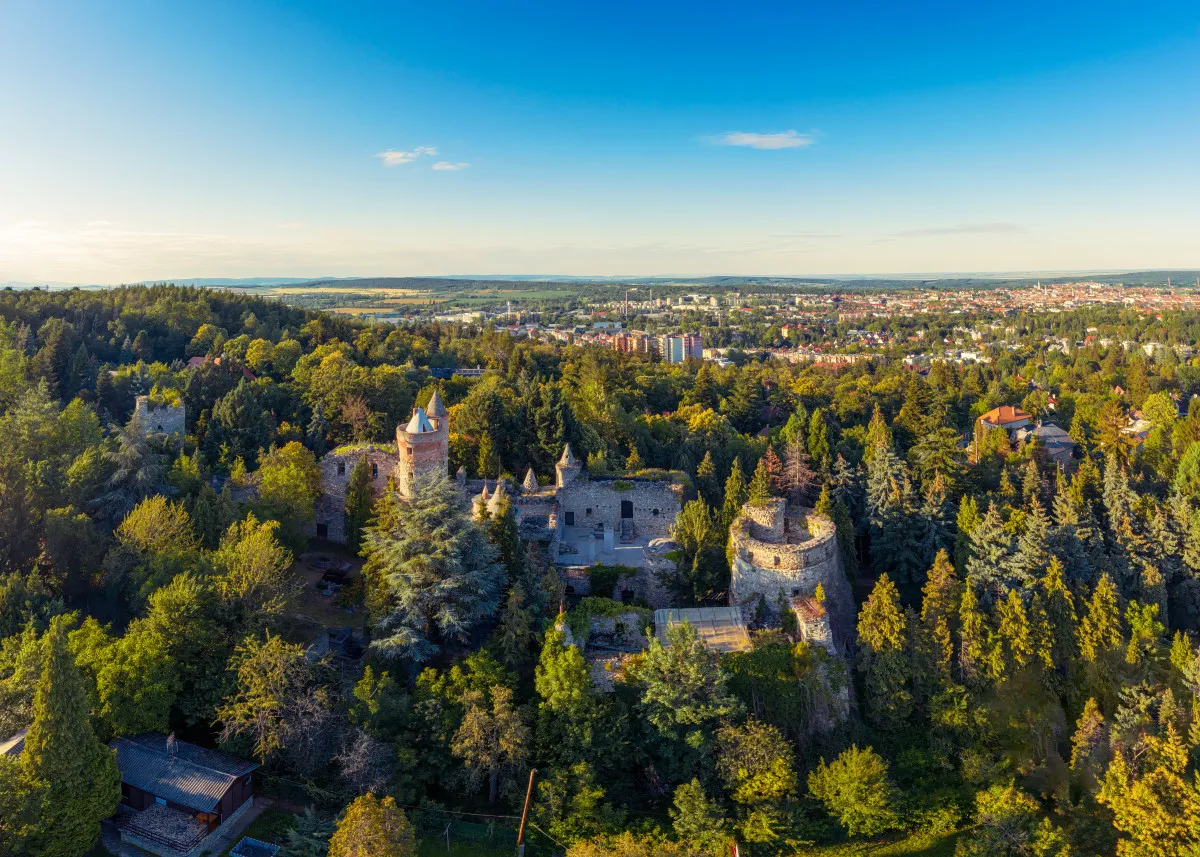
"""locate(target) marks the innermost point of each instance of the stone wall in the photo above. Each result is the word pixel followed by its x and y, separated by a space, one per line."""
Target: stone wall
pixel 159 419
pixel 592 501
pixel 420 453
pixel 336 468
pixel 806 555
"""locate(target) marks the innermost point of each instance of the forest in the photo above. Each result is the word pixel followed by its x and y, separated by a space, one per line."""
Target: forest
pixel 1025 678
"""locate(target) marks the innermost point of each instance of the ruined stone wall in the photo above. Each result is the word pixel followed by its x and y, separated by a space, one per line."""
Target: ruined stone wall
pixel 767 570
pixel 159 419
pixel 336 468
pixel 592 502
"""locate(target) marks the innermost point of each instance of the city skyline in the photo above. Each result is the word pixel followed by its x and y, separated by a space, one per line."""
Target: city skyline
pixel 148 141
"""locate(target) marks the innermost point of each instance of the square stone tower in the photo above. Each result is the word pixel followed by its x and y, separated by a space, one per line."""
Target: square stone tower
pixel 423 445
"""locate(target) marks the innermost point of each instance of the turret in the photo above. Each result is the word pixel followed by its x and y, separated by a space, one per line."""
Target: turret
pixel 435 410
pixel 530 484
pixel 567 468
pixel 423 447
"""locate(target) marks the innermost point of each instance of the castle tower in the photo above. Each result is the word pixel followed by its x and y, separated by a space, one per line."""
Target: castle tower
pixel 567 469
pixel 423 446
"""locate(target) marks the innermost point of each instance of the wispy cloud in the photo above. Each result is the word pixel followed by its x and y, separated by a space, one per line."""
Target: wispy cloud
pixel 960 229
pixel 773 140
pixel 449 166
pixel 394 157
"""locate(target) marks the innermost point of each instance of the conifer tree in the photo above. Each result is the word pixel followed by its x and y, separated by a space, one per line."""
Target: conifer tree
pixel 431 572
pixel 1061 616
pixel 774 470
pixel 706 478
pixel 1100 629
pixel 886 669
pixel 359 499
pixel 1015 632
pixel 1088 746
pixel 70 779
pixel 991 549
pixel 735 494
pixel 973 648
pixel 965 524
pixel 760 484
pixel 879 436
pixel 940 604
pixel 818 439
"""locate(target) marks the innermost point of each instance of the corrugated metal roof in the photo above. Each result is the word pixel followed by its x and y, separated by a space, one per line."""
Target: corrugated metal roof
pixel 191 776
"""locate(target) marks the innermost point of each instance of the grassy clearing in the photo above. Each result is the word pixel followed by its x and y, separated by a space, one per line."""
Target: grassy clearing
pixel 437 848
pixel 915 845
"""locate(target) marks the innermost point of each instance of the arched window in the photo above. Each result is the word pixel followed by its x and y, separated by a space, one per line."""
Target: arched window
pixel 374 470
pixel 341 468
pixel 777 562
pixel 654 512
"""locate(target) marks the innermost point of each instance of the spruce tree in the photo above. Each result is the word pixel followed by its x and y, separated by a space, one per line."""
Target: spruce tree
pixel 71 779
pixel 818 439
pixel 940 603
pixel 706 478
pixel 973 648
pixel 1061 615
pixel 991 553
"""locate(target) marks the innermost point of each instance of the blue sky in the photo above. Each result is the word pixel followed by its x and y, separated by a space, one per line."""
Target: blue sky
pixel 168 139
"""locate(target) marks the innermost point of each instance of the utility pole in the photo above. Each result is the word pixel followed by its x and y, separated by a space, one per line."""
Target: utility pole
pixel 525 814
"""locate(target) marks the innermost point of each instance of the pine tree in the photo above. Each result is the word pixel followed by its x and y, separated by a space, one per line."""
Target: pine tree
pixel 735 494
pixel 934 517
pixel 706 478
pixel 798 478
pixel 886 669
pixel 1100 630
pixel 359 499
pixel 431 572
pixel 973 649
pixel 774 470
pixel 71 778
pixel 1088 746
pixel 879 436
pixel 940 603
pixel 1062 618
pixel 965 524
pixel 1031 556
pixel 503 534
pixel 760 484
pixel 818 439
pixel 514 634
pixel 1015 633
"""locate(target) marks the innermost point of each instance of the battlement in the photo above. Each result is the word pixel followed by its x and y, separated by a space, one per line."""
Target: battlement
pixel 781 553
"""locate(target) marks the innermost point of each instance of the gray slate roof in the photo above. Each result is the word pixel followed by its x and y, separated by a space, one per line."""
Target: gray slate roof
pixel 195 777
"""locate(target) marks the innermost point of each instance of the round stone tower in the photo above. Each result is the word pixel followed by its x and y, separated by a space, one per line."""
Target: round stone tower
pixel 423 445
pixel 567 469
pixel 780 552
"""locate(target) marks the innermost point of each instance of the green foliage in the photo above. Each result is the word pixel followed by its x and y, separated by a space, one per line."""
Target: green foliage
pixel 856 790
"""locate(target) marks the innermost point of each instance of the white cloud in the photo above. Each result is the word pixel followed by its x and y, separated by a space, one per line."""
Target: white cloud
pixel 394 157
pixel 774 140
pixel 450 166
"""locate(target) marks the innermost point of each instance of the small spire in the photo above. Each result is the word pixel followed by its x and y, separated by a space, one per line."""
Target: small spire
pixel 435 408
pixel 530 483
pixel 484 493
pixel 568 457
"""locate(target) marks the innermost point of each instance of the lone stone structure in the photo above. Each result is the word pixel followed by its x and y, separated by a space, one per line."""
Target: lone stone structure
pixel 780 554
pixel 159 418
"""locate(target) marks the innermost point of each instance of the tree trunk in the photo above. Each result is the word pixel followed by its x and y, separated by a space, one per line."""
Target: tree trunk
pixel 493 787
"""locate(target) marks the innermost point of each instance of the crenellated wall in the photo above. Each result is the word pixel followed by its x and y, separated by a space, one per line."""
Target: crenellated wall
pixel 783 552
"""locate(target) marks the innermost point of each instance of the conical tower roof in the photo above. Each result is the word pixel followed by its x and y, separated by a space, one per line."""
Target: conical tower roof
pixel 435 408
pixel 530 483
pixel 484 493
pixel 568 457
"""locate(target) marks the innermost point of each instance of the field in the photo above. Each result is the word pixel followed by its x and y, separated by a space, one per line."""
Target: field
pixel 916 845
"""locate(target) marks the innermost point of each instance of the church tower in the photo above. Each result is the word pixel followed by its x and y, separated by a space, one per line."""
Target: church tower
pixel 423 445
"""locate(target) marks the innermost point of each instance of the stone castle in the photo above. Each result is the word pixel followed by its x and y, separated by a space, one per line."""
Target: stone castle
pixel 158 418
pixel 588 520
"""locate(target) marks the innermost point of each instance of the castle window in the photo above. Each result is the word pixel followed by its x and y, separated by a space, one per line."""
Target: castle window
pixel 654 512
pixel 374 470
pixel 795 592
pixel 777 562
pixel 341 468
pixel 588 513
